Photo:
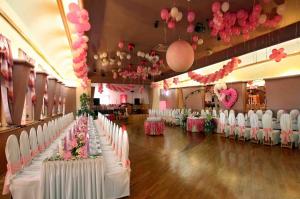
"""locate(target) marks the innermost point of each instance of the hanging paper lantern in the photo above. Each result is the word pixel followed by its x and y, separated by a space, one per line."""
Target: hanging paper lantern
pixel 121 44
pixel 180 56
pixel 164 14
pixel 174 12
pixel 225 6
pixel 191 16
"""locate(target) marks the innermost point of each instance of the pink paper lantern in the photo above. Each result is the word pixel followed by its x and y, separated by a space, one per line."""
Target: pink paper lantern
pixel 180 56
pixel 121 44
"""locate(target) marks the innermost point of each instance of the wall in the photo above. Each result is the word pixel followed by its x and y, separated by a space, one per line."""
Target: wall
pixel 283 93
pixel 240 87
pixel 194 101
pixel 170 97
pixel 113 97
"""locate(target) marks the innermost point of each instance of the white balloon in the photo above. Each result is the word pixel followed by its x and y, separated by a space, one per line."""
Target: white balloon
pixel 280 9
pixel 128 56
pixel 179 16
pixel 200 42
pixel 104 54
pixel 121 57
pixel 119 63
pixel 118 53
pixel 174 12
pixel 262 18
pixel 225 6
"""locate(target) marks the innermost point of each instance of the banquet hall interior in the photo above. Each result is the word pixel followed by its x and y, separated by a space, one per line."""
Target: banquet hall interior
pixel 104 99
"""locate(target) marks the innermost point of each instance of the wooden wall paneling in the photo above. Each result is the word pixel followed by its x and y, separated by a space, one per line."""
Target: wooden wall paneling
pixel 51 93
pixel 40 82
pixel 92 92
pixel 20 77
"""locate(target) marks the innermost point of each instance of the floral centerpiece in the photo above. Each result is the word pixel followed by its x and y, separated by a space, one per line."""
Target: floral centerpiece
pixel 209 125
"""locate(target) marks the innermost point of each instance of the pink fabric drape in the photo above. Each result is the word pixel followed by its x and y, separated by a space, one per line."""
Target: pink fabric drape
pixel 254 133
pixel 154 127
pixel 198 123
pixel 285 136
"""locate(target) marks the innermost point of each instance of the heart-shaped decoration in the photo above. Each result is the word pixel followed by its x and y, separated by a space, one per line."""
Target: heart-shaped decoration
pixel 230 97
pixel 217 90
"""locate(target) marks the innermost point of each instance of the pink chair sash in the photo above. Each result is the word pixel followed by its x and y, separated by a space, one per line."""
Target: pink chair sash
pixel 35 152
pixel 222 127
pixel 41 147
pixel 241 130
pixel 254 132
pixel 126 163
pixel 267 132
pixel 231 129
pixel 11 169
pixel 285 138
pixel 26 159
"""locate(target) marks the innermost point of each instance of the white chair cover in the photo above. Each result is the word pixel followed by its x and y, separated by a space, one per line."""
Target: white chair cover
pixel 33 141
pixel 269 112
pixel 25 149
pixel 279 113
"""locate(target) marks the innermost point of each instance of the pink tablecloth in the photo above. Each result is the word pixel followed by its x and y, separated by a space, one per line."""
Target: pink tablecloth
pixel 195 124
pixel 154 127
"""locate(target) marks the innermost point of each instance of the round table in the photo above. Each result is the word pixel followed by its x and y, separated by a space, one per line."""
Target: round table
pixel 154 127
pixel 195 124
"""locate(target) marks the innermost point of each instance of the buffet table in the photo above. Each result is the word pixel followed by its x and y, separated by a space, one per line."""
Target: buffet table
pixel 154 127
pixel 195 124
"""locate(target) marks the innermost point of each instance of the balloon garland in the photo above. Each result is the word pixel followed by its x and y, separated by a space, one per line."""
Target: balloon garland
pixel 213 77
pixel 79 20
pixel 117 88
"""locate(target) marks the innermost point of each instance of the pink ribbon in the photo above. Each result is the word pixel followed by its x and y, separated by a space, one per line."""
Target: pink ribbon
pixel 254 133
pixel 12 168
pixel 126 163
pixel 285 138
pixel 267 132
pixel 41 147
pixel 26 159
pixel 35 152
pixel 242 130
pixel 231 130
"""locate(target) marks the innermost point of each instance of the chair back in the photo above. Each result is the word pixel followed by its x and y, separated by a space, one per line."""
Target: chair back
pixel 254 121
pixel 125 150
pixel 250 112
pixel 12 150
pixel 33 141
pixel 226 113
pixel 25 149
pixel 269 112
pixel 285 122
pixel 267 121
pixel 40 138
pixel 298 123
pixel 120 138
pixel 259 114
pixel 232 112
pixel 279 113
pixel 231 119
pixel 294 114
pixel 241 120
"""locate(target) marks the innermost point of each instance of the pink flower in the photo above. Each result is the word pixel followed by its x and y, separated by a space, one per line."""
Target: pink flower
pixel 74 143
pixel 67 155
pixel 82 152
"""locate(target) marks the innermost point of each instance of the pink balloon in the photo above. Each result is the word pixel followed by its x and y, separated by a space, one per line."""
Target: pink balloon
pixel 190 28
pixel 191 16
pixel 164 14
pixel 73 18
pixel 180 56
pixel 194 46
pixel 121 44
pixel 171 24
pixel 195 38
pixel 73 7
pixel 84 15
pixel 216 6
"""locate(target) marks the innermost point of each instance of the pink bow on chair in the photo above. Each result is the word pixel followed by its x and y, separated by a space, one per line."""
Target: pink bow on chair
pixel 231 130
pixel 254 132
pixel 267 132
pixel 222 127
pixel 286 136
pixel 35 152
pixel 11 169
pixel 26 159
pixel 242 130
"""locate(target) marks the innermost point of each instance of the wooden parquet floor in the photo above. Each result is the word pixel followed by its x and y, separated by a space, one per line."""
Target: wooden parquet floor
pixel 189 165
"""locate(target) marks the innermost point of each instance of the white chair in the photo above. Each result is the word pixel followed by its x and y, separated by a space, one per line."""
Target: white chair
pixel 287 134
pixel 226 113
pixel 278 115
pixel 222 123
pixel 270 112
pixel 26 157
pixel 259 114
pixel 33 141
pixel 40 138
pixel 242 131
pixel 214 113
pixel 230 131
pixel 294 115
pixel 271 137
pixel 255 134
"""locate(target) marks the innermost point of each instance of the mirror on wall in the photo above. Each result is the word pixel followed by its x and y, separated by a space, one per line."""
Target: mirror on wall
pixel 256 95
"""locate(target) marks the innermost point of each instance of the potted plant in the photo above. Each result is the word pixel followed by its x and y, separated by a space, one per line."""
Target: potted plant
pixel 209 125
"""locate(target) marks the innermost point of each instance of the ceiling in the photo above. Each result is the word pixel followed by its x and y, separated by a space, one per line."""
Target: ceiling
pixel 133 21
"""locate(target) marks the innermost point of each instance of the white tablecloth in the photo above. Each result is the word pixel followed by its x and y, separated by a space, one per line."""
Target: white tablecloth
pixel 79 179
